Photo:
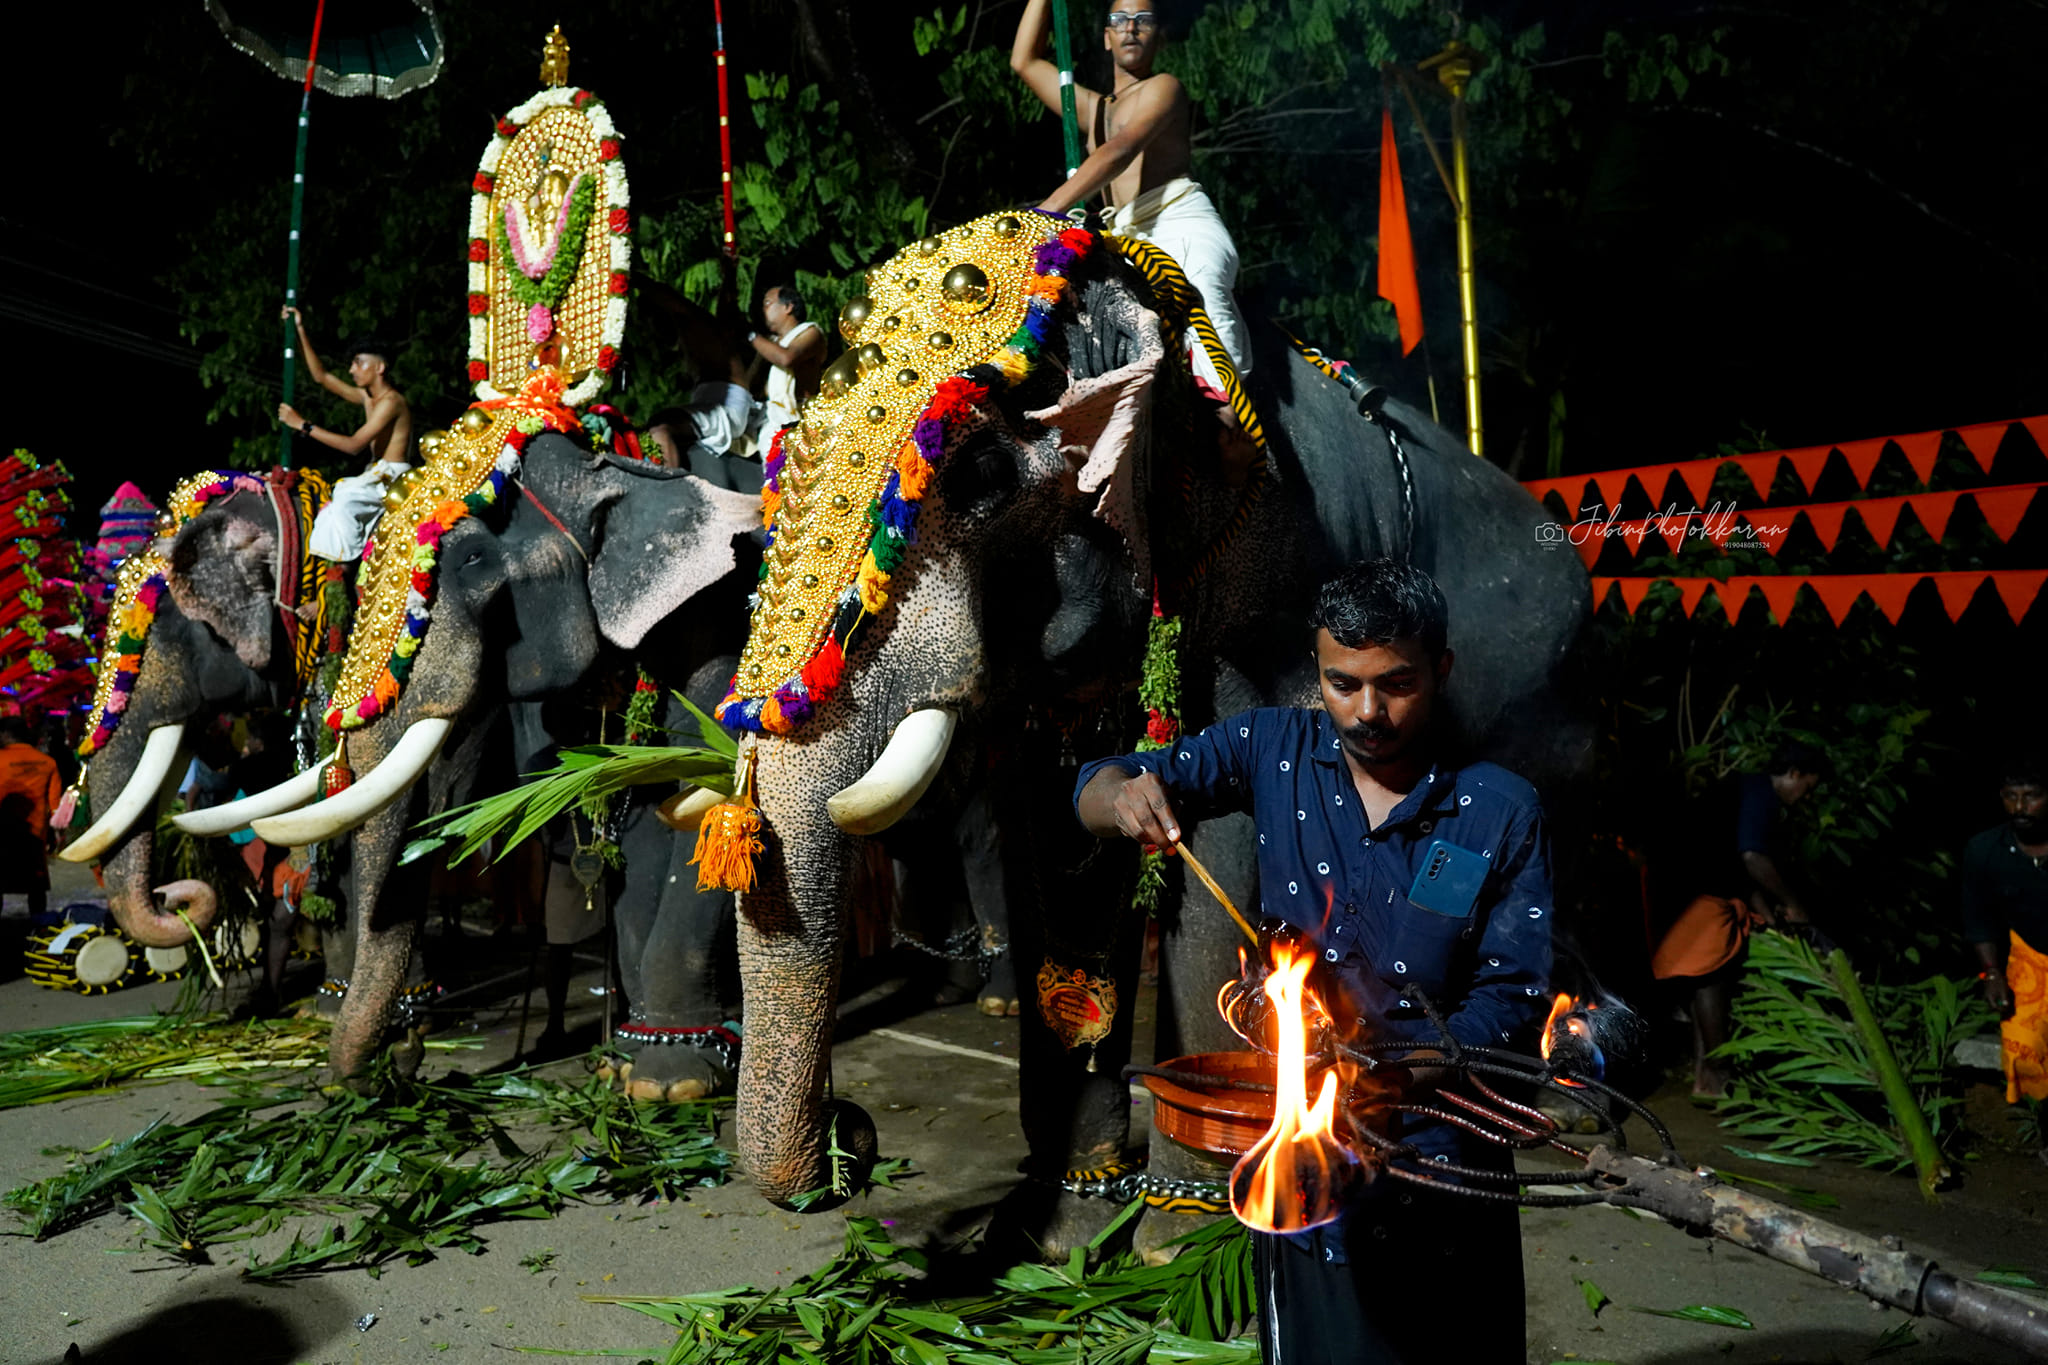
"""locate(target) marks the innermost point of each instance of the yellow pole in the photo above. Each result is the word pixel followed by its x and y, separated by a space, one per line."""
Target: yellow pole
pixel 1454 69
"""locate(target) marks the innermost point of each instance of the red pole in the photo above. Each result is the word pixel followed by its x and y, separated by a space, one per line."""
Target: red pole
pixel 724 128
pixel 313 50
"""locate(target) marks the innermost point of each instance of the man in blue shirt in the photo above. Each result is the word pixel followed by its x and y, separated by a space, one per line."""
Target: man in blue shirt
pixel 1408 873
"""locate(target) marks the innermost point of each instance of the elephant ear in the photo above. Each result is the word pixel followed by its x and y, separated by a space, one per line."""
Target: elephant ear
pixel 663 544
pixel 1105 429
pixel 222 569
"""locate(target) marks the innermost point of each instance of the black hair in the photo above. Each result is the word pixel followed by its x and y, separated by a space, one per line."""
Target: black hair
pixel 15 729
pixel 793 301
pixel 1793 756
pixel 370 346
pixel 1378 601
pixel 2024 768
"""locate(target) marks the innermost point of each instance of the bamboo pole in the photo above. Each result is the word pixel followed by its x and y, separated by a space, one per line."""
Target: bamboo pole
pixel 1195 866
pixel 1063 54
pixel 1897 1094
pixel 291 267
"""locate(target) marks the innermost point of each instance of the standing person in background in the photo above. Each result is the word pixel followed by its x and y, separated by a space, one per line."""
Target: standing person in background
pixel 29 791
pixel 2005 917
pixel 1725 885
pixel 797 354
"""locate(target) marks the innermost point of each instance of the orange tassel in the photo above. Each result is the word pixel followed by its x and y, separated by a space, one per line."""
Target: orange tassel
pixel 730 837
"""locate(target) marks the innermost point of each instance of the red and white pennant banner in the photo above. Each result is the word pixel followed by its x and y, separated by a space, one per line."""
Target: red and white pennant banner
pixel 2016 588
pixel 1920 450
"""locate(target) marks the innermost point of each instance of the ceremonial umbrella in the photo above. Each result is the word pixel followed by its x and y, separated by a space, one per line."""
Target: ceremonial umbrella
pixel 389 47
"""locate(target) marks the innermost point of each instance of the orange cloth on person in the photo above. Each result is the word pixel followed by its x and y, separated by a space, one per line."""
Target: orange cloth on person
pixel 2025 1035
pixel 1706 937
pixel 29 791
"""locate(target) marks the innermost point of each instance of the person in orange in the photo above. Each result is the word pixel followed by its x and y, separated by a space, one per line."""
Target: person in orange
pixel 2005 917
pixel 29 791
pixel 1728 886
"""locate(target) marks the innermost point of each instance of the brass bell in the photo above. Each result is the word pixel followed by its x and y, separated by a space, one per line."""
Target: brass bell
pixel 853 315
pixel 870 358
pixel 825 545
pixel 940 341
pixel 878 414
pixel 905 378
pixel 1008 226
pixel 839 504
pixel 430 445
pixel 891 323
pixel 841 375
pixel 966 289
pixel 857 459
pixel 476 421
pixel 928 247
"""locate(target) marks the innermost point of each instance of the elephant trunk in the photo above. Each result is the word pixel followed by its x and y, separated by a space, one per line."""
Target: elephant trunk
pixel 791 942
pixel 128 777
pixel 384 932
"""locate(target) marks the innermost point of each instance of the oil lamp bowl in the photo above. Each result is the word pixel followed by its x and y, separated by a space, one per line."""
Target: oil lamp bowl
pixel 1219 1121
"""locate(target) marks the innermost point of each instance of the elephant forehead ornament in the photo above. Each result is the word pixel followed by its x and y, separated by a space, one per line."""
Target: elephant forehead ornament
pixel 944 323
pixel 141 584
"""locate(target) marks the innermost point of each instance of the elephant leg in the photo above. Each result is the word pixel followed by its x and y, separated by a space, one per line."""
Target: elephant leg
pixel 669 934
pixel 385 941
pixel 979 839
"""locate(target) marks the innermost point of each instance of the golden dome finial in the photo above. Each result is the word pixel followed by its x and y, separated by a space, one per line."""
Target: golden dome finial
pixel 554 59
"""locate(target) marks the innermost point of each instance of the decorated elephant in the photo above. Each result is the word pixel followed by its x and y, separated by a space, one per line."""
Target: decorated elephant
pixel 1012 475
pixel 205 620
pixel 514 563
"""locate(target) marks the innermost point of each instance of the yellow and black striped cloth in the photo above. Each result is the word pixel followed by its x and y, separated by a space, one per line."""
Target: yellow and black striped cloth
pixel 310 495
pixel 1181 303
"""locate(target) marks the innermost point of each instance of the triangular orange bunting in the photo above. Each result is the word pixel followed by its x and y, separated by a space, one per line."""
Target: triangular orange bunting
pixel 1733 594
pixel 1779 592
pixel 1862 458
pixel 1720 527
pixel 1601 587
pixel 1934 510
pixel 2019 588
pixel 1589 548
pixel 1808 464
pixel 1920 452
pixel 1672 529
pixel 1762 470
pixel 2037 427
pixel 1983 440
pixel 1633 591
pixel 1654 479
pixel 1880 518
pixel 2004 508
pixel 1770 527
pixel 1612 485
pixel 1837 592
pixel 1690 591
pixel 1890 591
pixel 1826 520
pixel 1699 480
pixel 1957 588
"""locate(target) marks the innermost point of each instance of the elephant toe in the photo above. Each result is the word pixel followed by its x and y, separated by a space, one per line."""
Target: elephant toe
pixel 688 1089
pixel 645 1090
pixel 994 1006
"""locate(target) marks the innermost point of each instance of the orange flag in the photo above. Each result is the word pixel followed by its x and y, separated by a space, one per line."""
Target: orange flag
pixel 1397 249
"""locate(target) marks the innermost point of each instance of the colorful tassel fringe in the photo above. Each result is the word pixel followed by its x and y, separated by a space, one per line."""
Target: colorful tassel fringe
pixel 731 835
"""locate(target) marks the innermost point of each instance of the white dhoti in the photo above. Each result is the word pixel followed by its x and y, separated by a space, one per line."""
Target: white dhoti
pixel 343 526
pixel 719 416
pixel 1180 219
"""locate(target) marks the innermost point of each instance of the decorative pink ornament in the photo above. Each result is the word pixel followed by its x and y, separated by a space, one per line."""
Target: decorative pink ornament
pixel 540 323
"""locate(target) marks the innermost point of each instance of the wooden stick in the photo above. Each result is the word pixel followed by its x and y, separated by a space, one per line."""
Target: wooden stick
pixel 1195 866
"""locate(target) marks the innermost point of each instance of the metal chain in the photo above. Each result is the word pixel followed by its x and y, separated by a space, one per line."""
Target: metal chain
pixel 1407 481
pixel 1124 1185
pixel 965 946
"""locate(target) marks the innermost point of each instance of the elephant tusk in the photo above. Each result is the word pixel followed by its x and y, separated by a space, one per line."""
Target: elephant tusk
pixel 225 819
pixel 378 788
pixel 892 786
pixel 145 785
pixel 684 811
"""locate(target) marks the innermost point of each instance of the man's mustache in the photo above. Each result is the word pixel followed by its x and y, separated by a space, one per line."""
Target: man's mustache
pixel 1369 733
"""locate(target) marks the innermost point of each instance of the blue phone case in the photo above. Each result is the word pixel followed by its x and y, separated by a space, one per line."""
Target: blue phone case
pixel 1449 880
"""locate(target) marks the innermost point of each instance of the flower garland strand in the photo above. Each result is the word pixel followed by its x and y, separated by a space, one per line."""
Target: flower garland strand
pixel 892 516
pixel 141 588
pixel 419 598
pixel 541 284
pixel 1159 694
pixel 618 240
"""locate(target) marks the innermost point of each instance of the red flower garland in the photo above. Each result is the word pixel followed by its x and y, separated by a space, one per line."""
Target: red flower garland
pixel 479 250
pixel 479 304
pixel 485 183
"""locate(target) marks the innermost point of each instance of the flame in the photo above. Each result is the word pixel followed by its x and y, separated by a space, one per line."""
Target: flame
pixel 1297 1175
pixel 1572 1013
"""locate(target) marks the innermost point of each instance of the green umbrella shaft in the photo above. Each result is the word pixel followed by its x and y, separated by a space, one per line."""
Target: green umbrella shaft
pixel 291 276
pixel 1063 51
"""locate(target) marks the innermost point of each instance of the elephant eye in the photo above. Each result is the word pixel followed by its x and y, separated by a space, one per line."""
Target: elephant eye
pixel 473 557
